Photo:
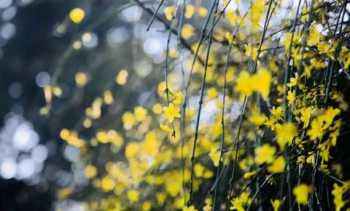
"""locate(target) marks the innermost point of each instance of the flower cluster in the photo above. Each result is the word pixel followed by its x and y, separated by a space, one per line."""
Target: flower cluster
pixel 247 121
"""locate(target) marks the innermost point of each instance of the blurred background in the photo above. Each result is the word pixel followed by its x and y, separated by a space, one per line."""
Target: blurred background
pixel 40 44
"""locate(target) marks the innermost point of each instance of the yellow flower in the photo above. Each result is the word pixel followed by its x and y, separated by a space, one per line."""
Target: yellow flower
pixel 314 36
pixel 322 122
pixel 301 193
pixel 157 108
pixel 133 195
pixel 256 117
pixel 291 97
pixel 77 15
pixel 108 97
pixel 276 204
pixel 173 53
pixel 337 193
pixel 171 112
pixel 128 120
pixel 212 93
pixel 187 31
pixel 256 13
pixel 81 79
pixel 178 99
pixel 244 84
pixel 90 171
pixel 231 17
pixel 190 208
pixel 316 130
pixel 264 154
pixel 249 174
pixel 146 206
pixel 202 11
pixel 215 156
pixel 122 77
pixel 263 82
pixel 140 113
pixel 208 205
pixel 285 134
pixel 251 51
pixel 277 165
pixel 277 112
pixel 329 116
pixel 306 115
pixel 189 11
pixel 238 203
pixel 259 82
pixel 151 144
pixel 169 12
pixel 131 150
pixel 107 184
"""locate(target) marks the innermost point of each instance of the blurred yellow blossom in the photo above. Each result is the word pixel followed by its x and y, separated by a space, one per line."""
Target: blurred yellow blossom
pixel 301 193
pixel 77 15
pixel 81 79
pixel 264 154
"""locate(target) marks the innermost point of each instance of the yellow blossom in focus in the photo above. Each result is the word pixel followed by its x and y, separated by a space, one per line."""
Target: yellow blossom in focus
pixel 171 112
